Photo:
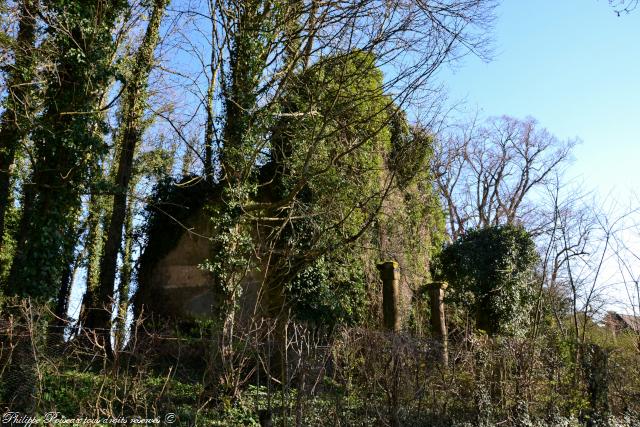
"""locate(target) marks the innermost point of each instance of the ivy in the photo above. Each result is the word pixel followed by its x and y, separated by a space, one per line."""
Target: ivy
pixel 490 272
pixel 68 140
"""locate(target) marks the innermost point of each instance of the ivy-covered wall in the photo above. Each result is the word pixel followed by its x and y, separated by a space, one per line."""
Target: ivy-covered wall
pixel 346 183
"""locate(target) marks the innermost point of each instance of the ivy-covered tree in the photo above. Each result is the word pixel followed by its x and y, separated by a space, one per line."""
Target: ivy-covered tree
pixel 314 65
pixel 68 139
pixel 325 175
pixel 490 272
pixel 130 132
pixel 19 105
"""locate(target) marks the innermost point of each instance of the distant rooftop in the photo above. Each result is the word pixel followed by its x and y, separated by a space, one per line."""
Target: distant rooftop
pixel 623 321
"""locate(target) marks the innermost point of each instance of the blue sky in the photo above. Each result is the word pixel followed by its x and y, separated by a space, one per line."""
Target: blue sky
pixel 573 65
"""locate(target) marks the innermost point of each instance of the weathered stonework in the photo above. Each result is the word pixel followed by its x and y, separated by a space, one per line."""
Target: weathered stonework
pixel 177 286
pixel 391 307
pixel 173 284
pixel 438 319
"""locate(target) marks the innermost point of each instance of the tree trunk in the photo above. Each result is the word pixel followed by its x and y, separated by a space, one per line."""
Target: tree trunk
pixel 208 132
pixel 18 107
pixel 99 314
pixel 94 244
pixel 61 141
pixel 61 319
pixel 125 278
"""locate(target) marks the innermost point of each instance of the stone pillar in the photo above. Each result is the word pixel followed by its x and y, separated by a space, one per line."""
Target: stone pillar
pixel 390 275
pixel 438 323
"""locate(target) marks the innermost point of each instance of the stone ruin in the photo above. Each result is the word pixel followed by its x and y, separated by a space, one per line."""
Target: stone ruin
pixel 173 285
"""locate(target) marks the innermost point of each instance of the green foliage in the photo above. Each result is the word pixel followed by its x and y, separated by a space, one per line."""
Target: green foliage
pixel 335 141
pixel 6 41
pixel 67 140
pixel 73 394
pixel 331 137
pixel 245 123
pixel 355 171
pixel 330 291
pixel 412 148
pixel 490 272
pixel 16 120
pixel 11 220
pixel 232 240
pixel 244 129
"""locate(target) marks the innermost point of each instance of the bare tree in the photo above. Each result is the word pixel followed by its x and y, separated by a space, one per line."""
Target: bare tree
pixel 625 248
pixel 586 257
pixel 623 6
pixel 487 173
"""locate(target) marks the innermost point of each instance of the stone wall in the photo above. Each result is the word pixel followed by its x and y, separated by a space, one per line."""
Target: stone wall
pixel 177 287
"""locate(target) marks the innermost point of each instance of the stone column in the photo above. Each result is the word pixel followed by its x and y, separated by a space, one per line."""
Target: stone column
pixel 390 275
pixel 438 323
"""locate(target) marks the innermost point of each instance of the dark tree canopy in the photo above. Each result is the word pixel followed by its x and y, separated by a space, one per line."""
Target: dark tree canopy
pixel 490 271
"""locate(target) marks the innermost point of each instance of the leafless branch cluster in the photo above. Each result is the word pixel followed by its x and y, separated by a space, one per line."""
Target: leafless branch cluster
pixel 487 173
pixel 301 375
pixel 623 6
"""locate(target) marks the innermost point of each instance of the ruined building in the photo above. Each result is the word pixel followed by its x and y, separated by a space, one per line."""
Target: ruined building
pixel 173 281
pixel 371 203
